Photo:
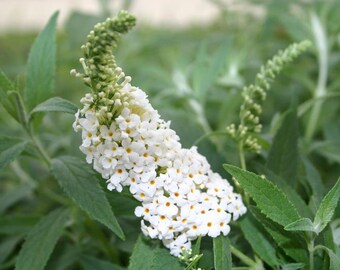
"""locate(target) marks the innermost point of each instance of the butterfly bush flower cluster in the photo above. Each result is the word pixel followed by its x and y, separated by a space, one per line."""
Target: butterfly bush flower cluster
pixel 129 144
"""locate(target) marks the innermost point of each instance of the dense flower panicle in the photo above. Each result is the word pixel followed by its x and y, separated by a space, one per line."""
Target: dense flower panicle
pixel 181 198
pixel 129 144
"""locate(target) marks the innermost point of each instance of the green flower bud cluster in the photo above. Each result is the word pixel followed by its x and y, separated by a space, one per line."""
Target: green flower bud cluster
pixel 254 95
pixel 100 71
pixel 187 258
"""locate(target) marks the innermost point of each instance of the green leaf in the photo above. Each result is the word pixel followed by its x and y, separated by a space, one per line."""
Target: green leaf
pixel 10 149
pixel 41 240
pixel 327 207
pixel 91 263
pixel 148 257
pixel 292 195
pixel 7 246
pixel 122 203
pixel 283 155
pixel 41 65
pixel 269 199
pixel 5 86
pixel 328 149
pixel 293 266
pixel 222 254
pixel 334 259
pixel 197 247
pixel 207 68
pixel 65 256
pixel 329 236
pixel 142 256
pixel 258 241
pixel 164 261
pixel 13 196
pixel 80 183
pixel 194 262
pixel 56 104
pixel 17 224
pixel 314 181
pixel 303 224
pixel 207 260
pixel 292 245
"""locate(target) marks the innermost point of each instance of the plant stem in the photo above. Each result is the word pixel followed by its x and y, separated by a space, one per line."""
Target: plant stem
pixel 311 254
pixel 241 154
pixel 244 258
pixel 23 176
pixel 20 107
pixel 40 149
pixel 24 119
pixel 321 44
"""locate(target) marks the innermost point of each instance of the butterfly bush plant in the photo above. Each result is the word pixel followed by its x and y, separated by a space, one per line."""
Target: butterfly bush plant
pixel 187 215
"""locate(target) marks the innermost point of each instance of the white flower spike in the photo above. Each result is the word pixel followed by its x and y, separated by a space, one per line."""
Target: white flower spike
pixel 129 144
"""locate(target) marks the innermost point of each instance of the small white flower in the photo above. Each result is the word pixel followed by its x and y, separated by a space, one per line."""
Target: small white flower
pixel 166 207
pixel 90 122
pixel 111 133
pixel 180 243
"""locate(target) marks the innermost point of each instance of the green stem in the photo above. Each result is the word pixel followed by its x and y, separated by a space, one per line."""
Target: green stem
pixel 40 149
pixel 241 154
pixel 23 176
pixel 22 114
pixel 311 254
pixel 24 119
pixel 321 44
pixel 244 258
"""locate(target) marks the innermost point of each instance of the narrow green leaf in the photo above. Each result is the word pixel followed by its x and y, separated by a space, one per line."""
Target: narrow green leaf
pixel 5 83
pixel 222 254
pixel 329 239
pixel 258 242
pixel 7 246
pixel 163 260
pixel 283 155
pixel 92 263
pixel 194 262
pixel 269 199
pixel 17 224
pixel 41 65
pixel 293 266
pixel 5 86
pixel 207 68
pixel 13 196
pixel 314 181
pixel 66 256
pixel 56 104
pixel 303 224
pixel 142 256
pixel 327 207
pixel 197 247
pixel 291 244
pixel 10 149
pixel 328 149
pixel 80 183
pixel 334 259
pixel 41 240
